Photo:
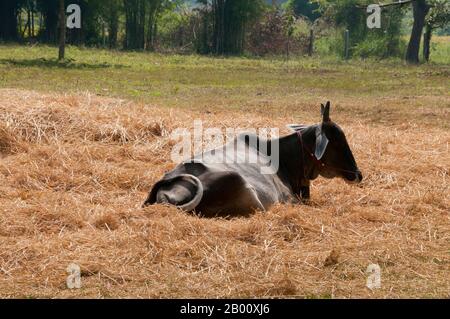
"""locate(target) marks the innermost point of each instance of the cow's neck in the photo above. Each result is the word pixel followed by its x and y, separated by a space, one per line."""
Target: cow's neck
pixel 309 142
pixel 294 170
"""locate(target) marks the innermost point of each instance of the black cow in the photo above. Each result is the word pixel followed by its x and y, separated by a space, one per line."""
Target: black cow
pixel 232 188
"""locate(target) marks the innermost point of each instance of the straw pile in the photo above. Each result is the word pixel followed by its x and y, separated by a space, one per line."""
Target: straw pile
pixel 74 170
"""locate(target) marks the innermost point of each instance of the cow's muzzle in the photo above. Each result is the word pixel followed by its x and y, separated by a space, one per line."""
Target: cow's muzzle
pixel 354 178
pixel 359 177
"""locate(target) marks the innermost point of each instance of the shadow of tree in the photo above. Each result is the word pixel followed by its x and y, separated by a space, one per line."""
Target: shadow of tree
pixel 54 63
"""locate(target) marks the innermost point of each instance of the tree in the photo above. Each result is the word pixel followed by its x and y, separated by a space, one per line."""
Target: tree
pixel 155 8
pixel 421 8
pixel 141 22
pixel 49 10
pixel 306 8
pixel 349 15
pixel 62 30
pixel 438 17
pixel 230 20
pixel 30 8
pixel 133 24
pixel 111 11
pixel 420 11
pixel 9 10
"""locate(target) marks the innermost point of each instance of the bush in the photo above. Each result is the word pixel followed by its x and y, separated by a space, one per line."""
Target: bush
pixel 379 47
pixel 276 32
pixel 331 44
pixel 177 31
pixel 364 42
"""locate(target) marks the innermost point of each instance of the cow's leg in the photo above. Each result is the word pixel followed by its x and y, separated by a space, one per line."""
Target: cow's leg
pixel 184 191
pixel 305 191
pixel 227 194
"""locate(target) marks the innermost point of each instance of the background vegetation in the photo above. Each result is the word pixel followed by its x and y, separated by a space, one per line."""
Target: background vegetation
pixel 233 27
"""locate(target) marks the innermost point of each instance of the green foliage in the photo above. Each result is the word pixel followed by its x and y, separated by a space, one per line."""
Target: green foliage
pixel 49 10
pixel 224 24
pixel 386 41
pixel 305 8
pixel 331 44
pixel 347 14
pixel 224 27
pixel 270 34
pixel 364 42
pixel 374 46
pixel 440 50
pixel 439 16
pixel 177 29
pixel 279 33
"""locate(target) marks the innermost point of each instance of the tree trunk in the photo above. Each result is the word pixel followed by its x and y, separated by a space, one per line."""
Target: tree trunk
pixel 427 41
pixel 204 46
pixel 153 12
pixel 219 25
pixel 127 26
pixel 103 35
pixel 311 43
pixel 32 23
pixel 113 27
pixel 135 24
pixel 50 24
pixel 141 24
pixel 19 23
pixel 62 30
pixel 420 11
pixel 41 20
pixel 8 20
pixel 29 22
pixel 155 33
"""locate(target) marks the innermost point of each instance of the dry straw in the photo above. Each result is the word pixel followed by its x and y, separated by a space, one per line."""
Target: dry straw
pixel 75 168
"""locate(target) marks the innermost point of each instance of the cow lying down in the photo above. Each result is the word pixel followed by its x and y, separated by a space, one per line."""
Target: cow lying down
pixel 212 187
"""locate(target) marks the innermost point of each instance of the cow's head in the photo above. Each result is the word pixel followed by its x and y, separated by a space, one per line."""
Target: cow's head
pixel 333 151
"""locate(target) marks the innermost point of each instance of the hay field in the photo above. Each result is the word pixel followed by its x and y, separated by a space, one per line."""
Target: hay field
pixel 76 166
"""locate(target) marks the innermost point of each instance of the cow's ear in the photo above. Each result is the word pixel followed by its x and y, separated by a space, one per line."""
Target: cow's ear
pixel 321 143
pixel 325 111
pixel 296 127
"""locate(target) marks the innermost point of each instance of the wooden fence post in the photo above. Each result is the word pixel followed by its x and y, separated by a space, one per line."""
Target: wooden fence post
pixel 62 30
pixel 311 42
pixel 346 44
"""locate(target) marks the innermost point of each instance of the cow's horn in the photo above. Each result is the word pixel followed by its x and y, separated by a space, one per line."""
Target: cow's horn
pixel 190 206
pixel 325 110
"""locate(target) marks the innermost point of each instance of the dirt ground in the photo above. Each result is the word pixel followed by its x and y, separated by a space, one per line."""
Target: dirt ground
pixel 75 169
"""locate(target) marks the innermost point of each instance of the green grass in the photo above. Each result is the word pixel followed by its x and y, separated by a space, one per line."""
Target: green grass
pixel 176 80
pixel 440 49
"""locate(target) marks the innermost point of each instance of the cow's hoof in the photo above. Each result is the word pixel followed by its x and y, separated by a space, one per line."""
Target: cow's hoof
pixel 305 201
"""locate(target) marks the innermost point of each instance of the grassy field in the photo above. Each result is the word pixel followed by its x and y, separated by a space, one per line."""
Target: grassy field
pixel 81 143
pixel 440 47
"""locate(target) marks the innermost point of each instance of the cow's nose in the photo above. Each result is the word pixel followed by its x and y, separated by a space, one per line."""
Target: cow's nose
pixel 359 176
